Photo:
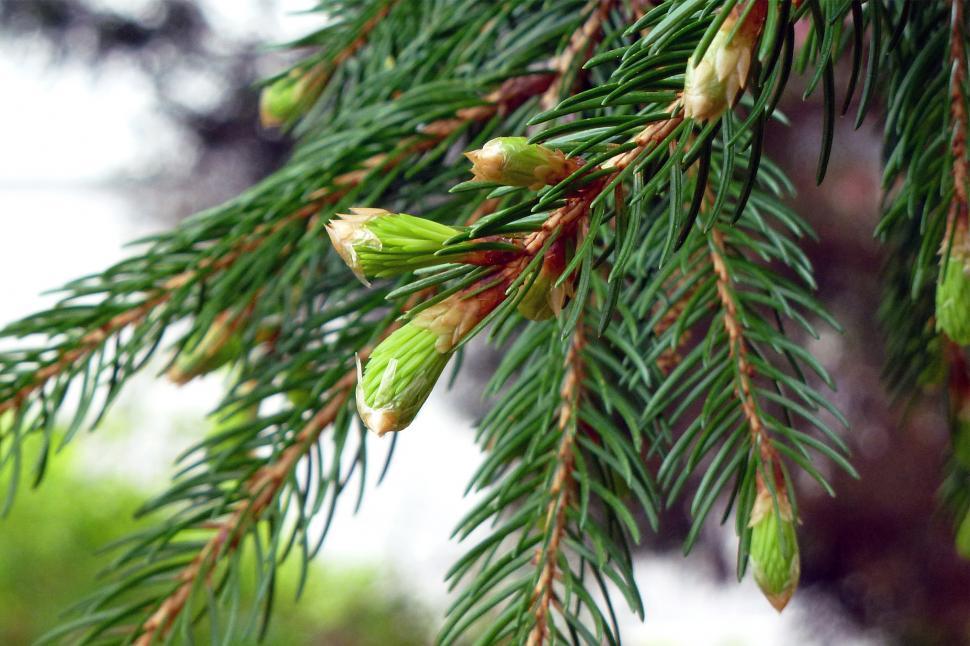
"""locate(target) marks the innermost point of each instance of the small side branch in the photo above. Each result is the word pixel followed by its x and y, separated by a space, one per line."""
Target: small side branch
pixel 94 339
pixel 560 492
pixel 506 97
pixel 738 348
pixel 959 215
pixel 262 490
pixel 580 44
pixel 958 113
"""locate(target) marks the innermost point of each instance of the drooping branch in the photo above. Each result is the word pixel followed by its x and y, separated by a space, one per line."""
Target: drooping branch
pixel 261 490
pixel 505 98
pixel 959 214
pixel 738 348
pixel 581 43
pixel 560 491
pixel 94 339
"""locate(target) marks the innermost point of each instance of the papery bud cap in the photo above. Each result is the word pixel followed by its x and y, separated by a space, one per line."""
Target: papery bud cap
pixel 348 232
pixel 713 84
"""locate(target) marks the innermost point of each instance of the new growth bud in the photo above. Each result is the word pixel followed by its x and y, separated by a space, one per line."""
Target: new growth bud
pixel 404 367
pixel 513 161
pixel 714 83
pixel 286 99
pixel 376 243
pixel 953 290
pixel 219 345
pixel 400 375
pixel 774 547
pixel 543 299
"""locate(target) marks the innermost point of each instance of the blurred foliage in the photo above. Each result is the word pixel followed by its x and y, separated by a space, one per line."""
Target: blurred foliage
pixel 49 559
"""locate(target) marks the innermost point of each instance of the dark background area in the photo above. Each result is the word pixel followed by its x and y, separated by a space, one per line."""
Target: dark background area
pixel 883 548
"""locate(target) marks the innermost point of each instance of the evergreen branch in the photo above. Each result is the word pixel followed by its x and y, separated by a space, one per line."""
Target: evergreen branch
pixel 96 338
pixel 958 217
pixel 581 44
pixel 261 490
pixel 556 458
pixel 580 200
pixel 919 179
pixel 692 362
pixel 736 345
pixel 560 492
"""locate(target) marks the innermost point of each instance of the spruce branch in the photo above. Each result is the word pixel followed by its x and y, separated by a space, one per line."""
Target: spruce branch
pixel 738 350
pixel 260 491
pixel 560 493
pixel 958 116
pixel 580 49
pixel 282 102
pixel 954 282
pixel 633 261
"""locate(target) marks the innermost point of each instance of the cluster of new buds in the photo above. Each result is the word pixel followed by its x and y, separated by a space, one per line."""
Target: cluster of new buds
pixel 403 369
pixel 286 99
pixel 513 161
pixel 774 546
pixel 953 287
pixel 714 83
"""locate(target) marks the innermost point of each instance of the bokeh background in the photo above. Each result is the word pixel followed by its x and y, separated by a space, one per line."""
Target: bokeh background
pixel 119 117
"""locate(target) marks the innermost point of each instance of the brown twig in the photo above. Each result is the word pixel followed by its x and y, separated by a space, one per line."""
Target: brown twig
pixel 958 218
pixel 261 489
pixel 561 490
pixel 671 356
pixel 582 42
pixel 93 339
pixel 738 349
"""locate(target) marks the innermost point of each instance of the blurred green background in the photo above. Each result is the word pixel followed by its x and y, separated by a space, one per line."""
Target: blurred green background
pixel 51 550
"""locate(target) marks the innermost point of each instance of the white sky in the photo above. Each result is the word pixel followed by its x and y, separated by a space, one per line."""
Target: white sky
pixel 64 133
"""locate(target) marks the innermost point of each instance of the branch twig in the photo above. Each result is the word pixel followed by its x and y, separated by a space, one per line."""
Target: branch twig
pixel 582 41
pixel 561 490
pixel 262 488
pixel 959 215
pixel 738 349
